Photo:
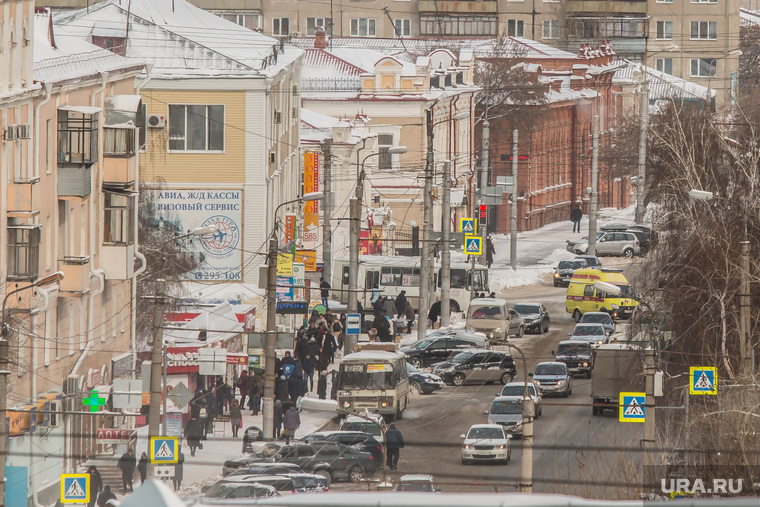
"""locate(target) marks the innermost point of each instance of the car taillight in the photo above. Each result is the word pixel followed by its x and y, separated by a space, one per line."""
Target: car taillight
pixel 379 447
pixel 371 458
pixel 637 242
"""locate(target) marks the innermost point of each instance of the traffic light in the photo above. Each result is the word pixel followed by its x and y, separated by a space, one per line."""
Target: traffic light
pixel 483 214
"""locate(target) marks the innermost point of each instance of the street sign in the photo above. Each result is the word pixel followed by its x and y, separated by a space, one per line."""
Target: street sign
pixel 164 472
pixel 114 436
pixel 95 401
pixel 75 488
pixel 506 183
pixel 258 340
pixel 164 449
pixel 703 380
pixel 292 307
pixel 353 323
pixel 468 226
pixel 473 245
pixel 127 393
pixel 632 407
pixel 212 361
pixel 180 395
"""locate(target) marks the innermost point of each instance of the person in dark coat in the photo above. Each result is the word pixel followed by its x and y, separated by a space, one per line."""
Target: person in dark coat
pixel 324 289
pixel 435 312
pixel 127 464
pixel 142 467
pixel 96 484
pixel 294 384
pixel 575 216
pixel 291 420
pixel 314 317
pixel 243 387
pixel 323 360
pixel 322 386
pixel 394 441
pixel 193 434
pixel 377 305
pixel 410 316
pixel 490 252
pixel 383 327
pixel 104 497
pixel 342 337
pixel 334 388
pixel 213 410
pixel 255 390
pixel 400 303
pixel 179 471
pixel 389 306
pixel 236 416
pixel 281 389
pixel 277 418
pixel 329 345
pixel 309 363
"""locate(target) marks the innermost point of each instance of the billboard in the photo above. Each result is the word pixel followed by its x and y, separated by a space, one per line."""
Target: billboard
pixel 220 255
pixel 311 208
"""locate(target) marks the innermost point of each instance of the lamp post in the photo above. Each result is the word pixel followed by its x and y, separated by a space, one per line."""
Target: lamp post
pixel 4 372
pixel 528 412
pixel 157 357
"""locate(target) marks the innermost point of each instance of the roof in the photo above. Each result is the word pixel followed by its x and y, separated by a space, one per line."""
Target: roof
pixel 178 37
pixel 748 17
pixel 491 301
pixel 509 399
pixel 662 85
pixel 416 478
pixel 379 355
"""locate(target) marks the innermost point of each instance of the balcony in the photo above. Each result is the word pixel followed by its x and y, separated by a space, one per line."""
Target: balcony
pixel 118 261
pixel 458 7
pixel 23 199
pixel 24 300
pixel 76 280
pixel 119 172
pixel 608 7
pixel 74 181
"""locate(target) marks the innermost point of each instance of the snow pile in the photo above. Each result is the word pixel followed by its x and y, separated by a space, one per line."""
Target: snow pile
pixel 501 279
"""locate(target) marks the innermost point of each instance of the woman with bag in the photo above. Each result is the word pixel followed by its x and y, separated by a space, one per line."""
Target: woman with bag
pixel 236 417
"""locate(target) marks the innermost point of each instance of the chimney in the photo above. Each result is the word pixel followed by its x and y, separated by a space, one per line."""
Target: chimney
pixel 320 41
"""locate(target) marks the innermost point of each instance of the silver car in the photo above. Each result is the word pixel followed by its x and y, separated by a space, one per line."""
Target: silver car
pixel 592 333
pixel 506 411
pixel 553 378
pixel 609 243
pixel 518 389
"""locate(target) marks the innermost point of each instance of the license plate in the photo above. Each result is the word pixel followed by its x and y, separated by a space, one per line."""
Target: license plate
pixel 365 405
pixel 482 455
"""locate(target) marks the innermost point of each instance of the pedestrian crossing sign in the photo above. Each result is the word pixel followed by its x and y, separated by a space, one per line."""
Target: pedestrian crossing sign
pixel 703 380
pixel 473 245
pixel 75 488
pixel 632 407
pixel 468 226
pixel 164 449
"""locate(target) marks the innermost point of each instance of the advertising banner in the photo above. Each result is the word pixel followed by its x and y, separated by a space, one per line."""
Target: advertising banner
pixel 311 208
pixel 219 255
pixel 284 265
pixel 298 278
pixel 290 227
pixel 308 258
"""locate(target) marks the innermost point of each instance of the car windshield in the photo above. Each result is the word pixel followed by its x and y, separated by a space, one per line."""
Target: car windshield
pixel 461 357
pixel 625 290
pixel 363 426
pixel 222 490
pixel 411 369
pixel 506 407
pixel 550 369
pixel 309 482
pixel 526 309
pixel 588 330
pixel 268 450
pixel 517 390
pixel 573 349
pixel 420 345
pixel 599 318
pixel 486 312
pixel 424 487
pixel 373 376
pixel 571 264
pixel 483 433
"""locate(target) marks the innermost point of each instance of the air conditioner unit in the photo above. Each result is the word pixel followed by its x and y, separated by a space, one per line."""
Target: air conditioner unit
pixel 156 121
pixel 10 134
pixel 272 157
pixel 55 414
pixel 22 131
pixel 278 117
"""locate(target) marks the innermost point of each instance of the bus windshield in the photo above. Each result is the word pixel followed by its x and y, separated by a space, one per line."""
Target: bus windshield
pixel 366 376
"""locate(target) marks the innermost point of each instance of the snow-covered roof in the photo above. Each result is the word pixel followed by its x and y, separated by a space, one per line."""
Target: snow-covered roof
pixel 316 127
pixel 60 56
pixel 661 85
pixel 748 17
pixel 179 38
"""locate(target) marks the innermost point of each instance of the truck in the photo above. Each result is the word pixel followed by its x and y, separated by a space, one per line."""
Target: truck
pixel 618 368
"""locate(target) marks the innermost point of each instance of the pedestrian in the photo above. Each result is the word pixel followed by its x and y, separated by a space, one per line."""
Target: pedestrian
pixel 255 390
pixel 314 317
pixel 127 464
pixel 394 441
pixel 193 434
pixel 490 252
pixel 410 316
pixel 324 289
pixel 281 389
pixel 277 418
pixel 342 336
pixel 492 295
pixel 236 417
pixel 179 471
pixel 390 307
pixel 222 391
pixel 377 305
pixel 382 327
pixel 400 303
pixel 323 360
pixel 334 385
pixel 142 467
pixel 213 410
pixel 576 215
pixel 336 328
pixel 308 364
pixel 295 383
pixel 435 312
pixel 96 484
pixel 104 497
pixel 292 421
pixel 329 345
pixel 322 386
pixel 243 387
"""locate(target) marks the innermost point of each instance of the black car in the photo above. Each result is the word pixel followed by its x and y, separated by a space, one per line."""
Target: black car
pixel 477 366
pixel 262 455
pixel 563 273
pixel 333 461
pixel 425 383
pixel 360 440
pixel 535 316
pixel 592 261
pixel 577 356
pixel 435 349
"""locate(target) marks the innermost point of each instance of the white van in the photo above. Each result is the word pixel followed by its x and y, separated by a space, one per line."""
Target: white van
pixel 490 316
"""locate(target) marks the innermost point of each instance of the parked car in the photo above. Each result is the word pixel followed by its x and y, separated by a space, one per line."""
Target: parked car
pixel 603 318
pixel 643 233
pixel 432 350
pixel 332 461
pixel 535 316
pixel 267 469
pixel 424 383
pixel 285 484
pixel 610 243
pixel 592 261
pixel 593 333
pixel 360 440
pixel 463 334
pixel 577 356
pixel 354 423
pixel 553 378
pixel 240 489
pixel 477 365
pixel 417 483
pixel 262 455
pixel 563 273
pixel 516 324
pixel 490 316
pixel 518 389
pixel 506 411
pixel 486 442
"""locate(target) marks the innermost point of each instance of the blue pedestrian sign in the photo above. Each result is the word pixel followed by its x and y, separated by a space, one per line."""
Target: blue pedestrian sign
pixel 473 245
pixel 353 323
pixel 632 407
pixel 75 488
pixel 468 226
pixel 164 449
pixel 703 380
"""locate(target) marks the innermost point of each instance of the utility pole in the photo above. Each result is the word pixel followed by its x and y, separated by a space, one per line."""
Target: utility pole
pixel 424 303
pixel 163 388
pixel 270 339
pixel 594 205
pixel 649 421
pixel 745 344
pixel 154 413
pixel 445 273
pixel 513 226
pixel 642 166
pixel 327 210
pixel 355 207
pixel 4 372
pixel 485 152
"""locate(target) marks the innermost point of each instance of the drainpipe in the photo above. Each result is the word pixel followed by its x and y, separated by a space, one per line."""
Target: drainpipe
pixel 48 95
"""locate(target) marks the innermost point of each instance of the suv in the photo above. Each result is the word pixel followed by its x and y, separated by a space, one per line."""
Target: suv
pixel 330 460
pixel 357 439
pixel 563 273
pixel 477 365
pixel 262 455
pixel 535 316
pixel 434 350
pixel 518 389
pixel 553 378
pixel 643 233
pixel 610 243
pixel 576 355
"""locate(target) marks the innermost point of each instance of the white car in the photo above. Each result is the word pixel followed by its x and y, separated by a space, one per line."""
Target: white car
pixel 354 423
pixel 486 442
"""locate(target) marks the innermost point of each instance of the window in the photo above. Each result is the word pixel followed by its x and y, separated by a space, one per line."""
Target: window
pixel 704 1
pixel 248 20
pixel 118 142
pixel 196 128
pixel 313 23
pixel 664 1
pixel 280 26
pixel 385 159
pixel 665 30
pixel 704 30
pixel 594 28
pixel 550 29
pixel 77 137
pixel 23 251
pixel 458 25
pixel 664 65
pixel 119 218
pixel 704 67
pixel 362 27
pixel 403 27
pixel 515 27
